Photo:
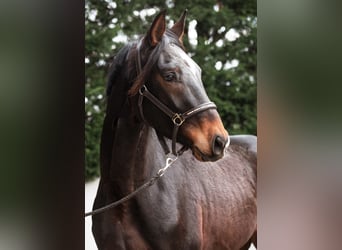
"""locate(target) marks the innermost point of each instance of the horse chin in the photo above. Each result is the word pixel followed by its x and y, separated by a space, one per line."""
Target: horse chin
pixel 199 155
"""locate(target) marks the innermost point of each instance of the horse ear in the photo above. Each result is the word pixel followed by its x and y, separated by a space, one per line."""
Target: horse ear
pixel 157 29
pixel 178 27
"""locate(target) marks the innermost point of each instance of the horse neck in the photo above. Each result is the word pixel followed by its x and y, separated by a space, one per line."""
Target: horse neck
pixel 132 145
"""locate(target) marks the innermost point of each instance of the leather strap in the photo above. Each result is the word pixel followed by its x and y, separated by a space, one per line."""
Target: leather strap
pixel 144 92
pixel 177 118
pixel 163 143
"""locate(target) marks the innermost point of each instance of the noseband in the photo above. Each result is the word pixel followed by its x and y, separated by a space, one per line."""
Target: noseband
pixel 177 118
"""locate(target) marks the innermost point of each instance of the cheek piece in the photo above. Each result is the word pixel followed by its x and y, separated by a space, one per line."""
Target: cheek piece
pixel 177 118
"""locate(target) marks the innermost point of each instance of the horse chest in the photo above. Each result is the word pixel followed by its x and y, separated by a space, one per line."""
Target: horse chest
pixel 187 215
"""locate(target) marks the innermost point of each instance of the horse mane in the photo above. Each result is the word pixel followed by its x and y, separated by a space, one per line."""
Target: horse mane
pixel 116 67
pixel 116 97
pixel 120 78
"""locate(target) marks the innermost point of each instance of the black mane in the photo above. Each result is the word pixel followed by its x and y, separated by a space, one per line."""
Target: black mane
pixel 116 67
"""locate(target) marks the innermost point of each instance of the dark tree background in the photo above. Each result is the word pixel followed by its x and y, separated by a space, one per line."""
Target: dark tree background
pixel 225 48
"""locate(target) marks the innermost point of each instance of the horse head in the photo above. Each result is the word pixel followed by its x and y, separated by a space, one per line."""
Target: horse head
pixel 174 79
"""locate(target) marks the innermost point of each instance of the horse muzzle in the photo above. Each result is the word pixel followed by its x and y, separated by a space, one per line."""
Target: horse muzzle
pixel 208 137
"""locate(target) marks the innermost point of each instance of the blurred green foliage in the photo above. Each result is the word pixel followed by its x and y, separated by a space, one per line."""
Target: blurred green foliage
pixel 225 48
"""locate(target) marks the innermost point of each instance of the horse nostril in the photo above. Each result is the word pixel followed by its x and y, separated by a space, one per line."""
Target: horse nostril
pixel 218 145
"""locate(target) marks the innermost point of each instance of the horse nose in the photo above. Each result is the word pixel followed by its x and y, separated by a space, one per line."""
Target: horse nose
pixel 219 143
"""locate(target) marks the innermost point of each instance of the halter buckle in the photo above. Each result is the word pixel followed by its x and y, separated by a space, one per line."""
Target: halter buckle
pixel 178 119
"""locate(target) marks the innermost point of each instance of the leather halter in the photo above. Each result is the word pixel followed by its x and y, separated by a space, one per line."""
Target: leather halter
pixel 177 118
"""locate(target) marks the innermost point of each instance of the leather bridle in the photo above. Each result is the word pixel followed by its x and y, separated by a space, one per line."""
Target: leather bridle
pixel 177 118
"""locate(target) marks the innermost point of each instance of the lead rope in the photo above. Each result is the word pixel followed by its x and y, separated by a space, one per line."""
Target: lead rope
pixel 168 163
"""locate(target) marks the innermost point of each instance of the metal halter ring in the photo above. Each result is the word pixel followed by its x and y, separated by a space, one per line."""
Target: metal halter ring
pixel 142 90
pixel 178 119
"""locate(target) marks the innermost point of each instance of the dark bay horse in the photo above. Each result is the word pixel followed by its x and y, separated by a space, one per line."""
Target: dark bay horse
pixel 207 199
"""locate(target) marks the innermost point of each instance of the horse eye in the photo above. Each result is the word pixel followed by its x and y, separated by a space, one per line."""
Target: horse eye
pixel 171 76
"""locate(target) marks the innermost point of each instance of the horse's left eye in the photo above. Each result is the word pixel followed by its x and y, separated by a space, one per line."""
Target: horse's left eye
pixel 171 76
